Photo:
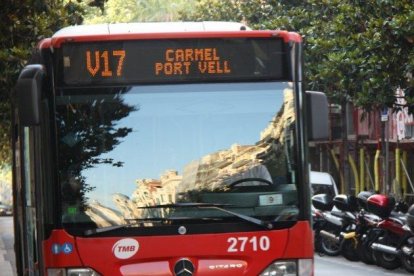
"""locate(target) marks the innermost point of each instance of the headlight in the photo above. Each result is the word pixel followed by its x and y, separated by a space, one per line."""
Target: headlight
pixel 72 272
pixel 302 267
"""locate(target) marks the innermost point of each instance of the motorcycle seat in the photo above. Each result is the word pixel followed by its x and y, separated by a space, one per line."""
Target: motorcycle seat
pixel 399 218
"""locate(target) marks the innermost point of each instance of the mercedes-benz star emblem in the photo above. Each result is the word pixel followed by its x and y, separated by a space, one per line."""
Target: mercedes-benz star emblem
pixel 184 267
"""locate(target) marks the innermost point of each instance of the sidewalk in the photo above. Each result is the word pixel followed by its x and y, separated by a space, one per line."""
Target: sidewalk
pixel 5 266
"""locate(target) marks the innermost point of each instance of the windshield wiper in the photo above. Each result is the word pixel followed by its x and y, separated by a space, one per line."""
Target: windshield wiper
pixel 216 206
pixel 94 231
pixel 184 204
pixel 136 221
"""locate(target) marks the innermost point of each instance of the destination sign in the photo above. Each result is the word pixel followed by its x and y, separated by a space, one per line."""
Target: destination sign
pixel 174 61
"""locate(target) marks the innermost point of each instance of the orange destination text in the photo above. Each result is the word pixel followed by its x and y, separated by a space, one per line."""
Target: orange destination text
pixel 191 60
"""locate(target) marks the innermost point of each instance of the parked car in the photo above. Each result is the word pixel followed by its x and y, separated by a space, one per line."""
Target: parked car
pixel 323 183
pixel 5 210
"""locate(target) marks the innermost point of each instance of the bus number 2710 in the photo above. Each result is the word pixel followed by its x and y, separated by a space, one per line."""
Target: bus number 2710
pixel 240 244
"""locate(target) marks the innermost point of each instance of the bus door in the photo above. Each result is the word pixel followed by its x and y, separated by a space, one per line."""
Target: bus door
pixel 28 204
pixel 27 176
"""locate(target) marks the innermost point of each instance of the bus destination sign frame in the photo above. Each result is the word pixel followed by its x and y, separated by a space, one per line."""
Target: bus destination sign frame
pixel 174 61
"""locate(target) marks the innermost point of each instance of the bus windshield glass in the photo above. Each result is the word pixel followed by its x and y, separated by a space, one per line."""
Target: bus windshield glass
pixel 148 154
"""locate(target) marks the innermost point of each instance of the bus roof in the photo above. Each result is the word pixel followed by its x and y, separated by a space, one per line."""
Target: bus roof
pixel 149 27
pixel 157 30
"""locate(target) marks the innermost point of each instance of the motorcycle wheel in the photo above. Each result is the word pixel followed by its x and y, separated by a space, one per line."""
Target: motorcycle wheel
pixel 365 254
pixel 408 263
pixel 406 259
pixel 349 250
pixel 387 261
pixel 317 243
pixel 330 247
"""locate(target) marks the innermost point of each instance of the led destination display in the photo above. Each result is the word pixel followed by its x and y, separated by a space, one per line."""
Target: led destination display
pixel 174 61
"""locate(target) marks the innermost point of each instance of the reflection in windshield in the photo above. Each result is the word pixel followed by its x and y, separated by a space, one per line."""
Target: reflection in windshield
pixel 126 149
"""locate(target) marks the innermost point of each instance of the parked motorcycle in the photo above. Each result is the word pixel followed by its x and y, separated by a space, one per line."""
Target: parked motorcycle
pixel 354 243
pixel 331 223
pixel 407 247
pixel 347 206
pixel 365 223
pixel 385 239
pixel 326 226
pixel 379 231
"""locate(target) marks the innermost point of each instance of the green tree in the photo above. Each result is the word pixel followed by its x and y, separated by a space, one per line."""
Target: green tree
pixel 87 131
pixel 124 11
pixel 24 24
pixel 355 50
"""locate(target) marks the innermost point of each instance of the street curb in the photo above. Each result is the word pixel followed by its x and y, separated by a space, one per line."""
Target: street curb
pixel 6 269
pixel 5 266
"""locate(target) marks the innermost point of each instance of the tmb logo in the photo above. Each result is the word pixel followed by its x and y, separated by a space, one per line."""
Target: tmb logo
pixel 125 248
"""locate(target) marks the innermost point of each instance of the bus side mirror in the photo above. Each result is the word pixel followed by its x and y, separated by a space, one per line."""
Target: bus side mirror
pixel 29 90
pixel 318 112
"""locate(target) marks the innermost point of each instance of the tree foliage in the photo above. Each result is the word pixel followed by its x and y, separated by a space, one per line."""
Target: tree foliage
pixel 124 11
pixel 355 50
pixel 87 131
pixel 24 24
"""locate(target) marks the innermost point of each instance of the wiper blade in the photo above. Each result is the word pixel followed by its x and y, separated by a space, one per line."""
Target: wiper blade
pixel 184 205
pixel 136 221
pixel 267 225
pixel 215 206
pixel 94 231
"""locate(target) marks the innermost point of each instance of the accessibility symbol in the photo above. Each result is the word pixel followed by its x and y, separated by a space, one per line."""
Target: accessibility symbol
pixel 55 248
pixel 67 248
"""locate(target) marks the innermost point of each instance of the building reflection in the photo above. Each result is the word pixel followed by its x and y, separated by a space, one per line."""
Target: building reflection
pixel 104 216
pixel 212 172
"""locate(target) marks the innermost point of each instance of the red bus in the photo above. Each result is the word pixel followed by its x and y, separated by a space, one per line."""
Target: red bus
pixel 164 149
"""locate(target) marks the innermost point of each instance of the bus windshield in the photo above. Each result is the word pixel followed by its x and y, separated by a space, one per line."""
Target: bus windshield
pixel 148 154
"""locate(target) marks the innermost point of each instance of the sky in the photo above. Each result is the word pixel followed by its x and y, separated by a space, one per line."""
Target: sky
pixel 174 125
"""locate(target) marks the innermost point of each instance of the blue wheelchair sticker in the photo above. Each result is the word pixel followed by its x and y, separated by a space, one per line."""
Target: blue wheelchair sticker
pixel 67 248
